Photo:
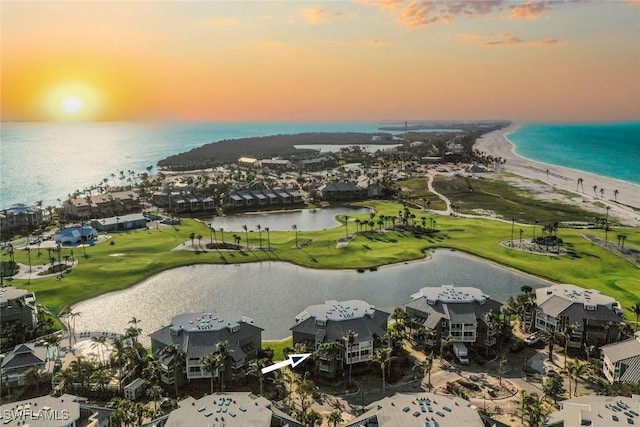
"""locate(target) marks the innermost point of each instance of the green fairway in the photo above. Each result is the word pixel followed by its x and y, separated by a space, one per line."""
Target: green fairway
pixel 134 256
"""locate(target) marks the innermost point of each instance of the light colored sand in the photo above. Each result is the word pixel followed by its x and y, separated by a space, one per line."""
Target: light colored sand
pixel 497 144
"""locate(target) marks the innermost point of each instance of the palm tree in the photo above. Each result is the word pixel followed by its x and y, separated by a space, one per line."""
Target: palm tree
pixel 346 225
pixel 602 193
pixel 259 235
pixel 400 317
pixel 575 370
pixel 335 417
pixel 224 360
pixel 210 365
pixel 636 310
pixel 382 356
pixel 177 361
pixel 255 369
pixel 350 339
pixel 246 232
pixel 532 409
pixel 445 342
pixel 295 229
pixel 566 334
pixel 99 342
pixel 221 235
pixel 551 337
pixel 268 238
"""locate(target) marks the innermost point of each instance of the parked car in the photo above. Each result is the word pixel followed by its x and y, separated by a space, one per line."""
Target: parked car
pixel 549 370
pixel 532 339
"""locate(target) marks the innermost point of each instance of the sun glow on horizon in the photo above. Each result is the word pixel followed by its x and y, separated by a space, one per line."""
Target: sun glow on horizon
pixel 73 102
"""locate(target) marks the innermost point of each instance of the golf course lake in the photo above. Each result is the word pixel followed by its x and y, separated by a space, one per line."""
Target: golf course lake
pixel 304 219
pixel 273 293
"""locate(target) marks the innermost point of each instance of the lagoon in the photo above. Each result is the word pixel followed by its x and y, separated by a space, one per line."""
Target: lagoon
pixel 273 293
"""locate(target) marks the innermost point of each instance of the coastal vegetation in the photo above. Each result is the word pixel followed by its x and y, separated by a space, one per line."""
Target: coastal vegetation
pixel 136 255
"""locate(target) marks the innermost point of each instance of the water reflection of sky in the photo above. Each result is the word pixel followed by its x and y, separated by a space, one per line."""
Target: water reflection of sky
pixel 274 293
pixel 305 220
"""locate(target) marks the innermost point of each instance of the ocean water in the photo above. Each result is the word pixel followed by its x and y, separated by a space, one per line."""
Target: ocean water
pixel 48 161
pixel 611 150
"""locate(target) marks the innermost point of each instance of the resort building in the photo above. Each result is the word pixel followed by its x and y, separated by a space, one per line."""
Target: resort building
pixel 594 410
pixel 594 316
pixel 120 223
pixel 317 163
pixel 198 334
pixel 102 205
pixel 18 305
pixel 420 410
pixel 342 191
pixel 332 321
pixel 621 360
pixel 261 198
pixel 48 411
pixel 20 217
pixel 453 311
pixel 235 409
pixel 19 360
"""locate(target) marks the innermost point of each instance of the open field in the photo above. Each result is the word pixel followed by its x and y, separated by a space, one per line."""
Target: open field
pixel 137 255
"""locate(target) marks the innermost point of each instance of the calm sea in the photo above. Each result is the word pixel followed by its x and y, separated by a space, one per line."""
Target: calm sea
pixel 611 150
pixel 48 161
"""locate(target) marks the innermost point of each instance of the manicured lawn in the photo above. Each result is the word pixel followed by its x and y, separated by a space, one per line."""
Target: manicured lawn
pixel 135 256
pixel 278 347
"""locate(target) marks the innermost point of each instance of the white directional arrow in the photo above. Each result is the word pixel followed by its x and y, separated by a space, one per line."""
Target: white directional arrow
pixel 294 360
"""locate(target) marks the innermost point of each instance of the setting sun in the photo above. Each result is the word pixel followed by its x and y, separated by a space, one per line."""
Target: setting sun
pixel 73 102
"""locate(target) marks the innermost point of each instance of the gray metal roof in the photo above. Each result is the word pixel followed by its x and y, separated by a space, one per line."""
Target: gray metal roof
pixel 10 293
pixel 419 410
pixel 623 349
pixel 235 409
pixel 44 411
pixel 600 411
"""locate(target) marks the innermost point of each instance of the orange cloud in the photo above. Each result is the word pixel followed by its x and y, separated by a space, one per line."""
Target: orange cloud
pixel 530 10
pixel 505 39
pixel 378 43
pixel 322 16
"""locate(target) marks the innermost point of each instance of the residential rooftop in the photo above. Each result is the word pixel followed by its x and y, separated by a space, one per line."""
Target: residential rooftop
pixel 419 410
pixel 576 294
pixel 208 321
pixel 337 311
pixel 600 411
pixel 10 293
pixel 44 411
pixel 234 409
pixel 448 294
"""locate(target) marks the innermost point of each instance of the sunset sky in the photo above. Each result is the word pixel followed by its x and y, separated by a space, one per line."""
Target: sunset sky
pixel 347 60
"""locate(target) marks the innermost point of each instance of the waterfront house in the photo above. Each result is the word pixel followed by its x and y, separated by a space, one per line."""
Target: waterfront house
pixel 621 360
pixel 420 410
pixel 102 205
pixel 19 360
pixel 259 198
pixel 232 409
pixel 18 305
pixel 593 315
pixel 456 311
pixel 342 191
pixel 198 334
pixel 20 217
pixel 332 321
pixel 594 410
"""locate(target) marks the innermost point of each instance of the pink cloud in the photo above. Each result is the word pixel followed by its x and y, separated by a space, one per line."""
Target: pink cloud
pixel 544 42
pixel 530 10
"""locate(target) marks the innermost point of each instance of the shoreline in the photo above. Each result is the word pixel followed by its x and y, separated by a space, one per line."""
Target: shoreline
pixel 626 208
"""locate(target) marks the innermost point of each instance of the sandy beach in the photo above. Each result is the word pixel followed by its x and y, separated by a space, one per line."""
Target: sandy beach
pixel 626 209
